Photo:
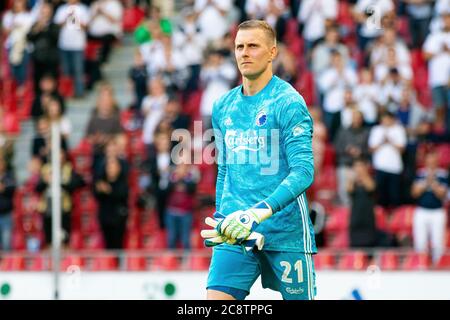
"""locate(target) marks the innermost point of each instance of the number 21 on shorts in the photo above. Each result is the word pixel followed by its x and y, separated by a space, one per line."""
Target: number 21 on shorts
pixel 287 270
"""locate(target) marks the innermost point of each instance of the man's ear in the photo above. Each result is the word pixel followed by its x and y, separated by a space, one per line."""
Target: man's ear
pixel 273 53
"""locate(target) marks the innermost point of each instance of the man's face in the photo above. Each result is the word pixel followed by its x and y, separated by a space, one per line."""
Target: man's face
pixel 253 51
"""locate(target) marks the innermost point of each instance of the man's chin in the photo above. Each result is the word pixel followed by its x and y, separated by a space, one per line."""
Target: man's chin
pixel 250 75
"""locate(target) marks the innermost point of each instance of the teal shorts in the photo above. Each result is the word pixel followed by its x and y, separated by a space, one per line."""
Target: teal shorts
pixel 290 273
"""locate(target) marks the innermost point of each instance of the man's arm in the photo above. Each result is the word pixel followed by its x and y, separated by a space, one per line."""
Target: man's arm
pixel 221 167
pixel 296 130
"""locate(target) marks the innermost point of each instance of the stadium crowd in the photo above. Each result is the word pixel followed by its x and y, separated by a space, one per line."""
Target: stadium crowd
pixel 375 76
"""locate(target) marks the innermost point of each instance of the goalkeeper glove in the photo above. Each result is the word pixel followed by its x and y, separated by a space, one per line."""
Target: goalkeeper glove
pixel 213 237
pixel 240 224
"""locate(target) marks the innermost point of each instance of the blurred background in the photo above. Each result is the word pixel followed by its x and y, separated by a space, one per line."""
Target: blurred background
pixel 119 76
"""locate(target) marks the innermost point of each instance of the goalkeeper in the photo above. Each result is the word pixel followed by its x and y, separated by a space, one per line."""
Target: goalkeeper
pixel 263 134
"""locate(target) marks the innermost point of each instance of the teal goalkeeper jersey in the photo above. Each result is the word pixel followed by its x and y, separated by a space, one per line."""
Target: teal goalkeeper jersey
pixel 264 145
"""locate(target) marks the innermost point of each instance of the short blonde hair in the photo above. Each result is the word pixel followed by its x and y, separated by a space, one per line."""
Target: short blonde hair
pixel 262 25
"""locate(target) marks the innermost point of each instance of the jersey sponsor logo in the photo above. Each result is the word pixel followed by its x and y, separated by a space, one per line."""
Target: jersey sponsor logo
pixel 294 290
pixel 261 118
pixel 245 140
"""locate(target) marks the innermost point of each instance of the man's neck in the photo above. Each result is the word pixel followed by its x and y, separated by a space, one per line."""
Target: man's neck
pixel 253 86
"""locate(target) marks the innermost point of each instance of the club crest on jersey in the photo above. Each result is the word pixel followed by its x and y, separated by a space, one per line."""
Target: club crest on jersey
pixel 261 118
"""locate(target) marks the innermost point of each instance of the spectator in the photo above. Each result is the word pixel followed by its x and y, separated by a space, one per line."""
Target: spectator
pixel 217 76
pixel 316 16
pixel 153 108
pixel 370 16
pixel 389 41
pixel 285 65
pixel 171 65
pixel 16 24
pixel 138 77
pixel 350 144
pixel 113 149
pixel 430 221
pixel 383 67
pixel 361 188
pixel 319 139
pixel 70 181
pixel 54 114
pixel 47 89
pixel 322 53
pixel 183 180
pixel 440 8
pixel 44 38
pixel 73 18
pixel 390 90
pixel 105 25
pixel 172 113
pixel 7 189
pixel 419 14
pixel 42 140
pixel 154 24
pixel 189 42
pixel 411 115
pixel 104 123
pixel 111 192
pixel 158 166
pixel 437 52
pixel 6 144
pixel 333 82
pixel 387 142
pixel 366 93
pixel 213 13
pixel 274 12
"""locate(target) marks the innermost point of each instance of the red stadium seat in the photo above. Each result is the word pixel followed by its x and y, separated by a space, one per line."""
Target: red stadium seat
pixel 444 263
pixel 18 240
pixel 66 86
pixel 103 262
pixel 70 261
pixel 402 218
pixel 166 261
pixel 93 241
pixel 132 239
pixel 156 241
pixel 388 260
pixel 416 261
pixel 36 263
pixel 136 263
pixel 132 17
pixel 338 240
pixel 324 260
pixel 199 262
pixel 443 151
pixel 356 260
pixel 12 262
pixel 76 240
pixel 381 220
pixel 338 219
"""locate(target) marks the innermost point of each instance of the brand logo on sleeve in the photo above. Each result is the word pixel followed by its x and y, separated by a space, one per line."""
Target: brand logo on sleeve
pixel 228 122
pixel 297 131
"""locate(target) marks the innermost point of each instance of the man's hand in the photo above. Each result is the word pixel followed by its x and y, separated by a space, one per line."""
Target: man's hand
pixel 240 224
pixel 213 237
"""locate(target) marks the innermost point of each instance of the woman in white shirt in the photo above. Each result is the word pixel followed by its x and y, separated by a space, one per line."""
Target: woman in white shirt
pixel 16 24
pixel 105 24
